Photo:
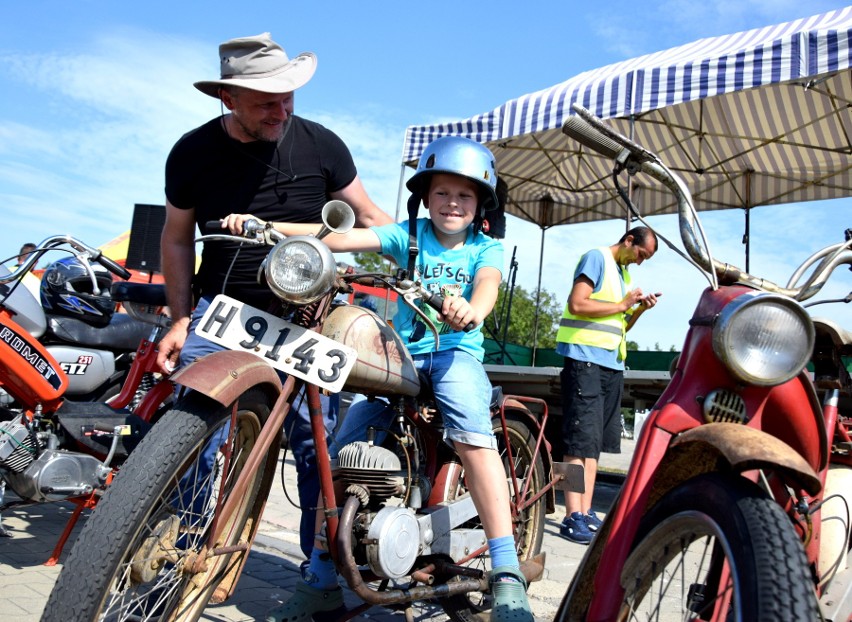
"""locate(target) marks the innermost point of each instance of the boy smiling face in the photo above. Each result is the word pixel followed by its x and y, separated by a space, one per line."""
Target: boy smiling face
pixel 452 201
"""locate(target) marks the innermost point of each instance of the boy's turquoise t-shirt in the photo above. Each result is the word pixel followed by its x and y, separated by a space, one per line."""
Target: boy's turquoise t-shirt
pixel 441 270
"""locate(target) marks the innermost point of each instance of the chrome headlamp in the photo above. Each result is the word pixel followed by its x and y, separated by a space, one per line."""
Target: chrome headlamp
pixel 300 269
pixel 763 339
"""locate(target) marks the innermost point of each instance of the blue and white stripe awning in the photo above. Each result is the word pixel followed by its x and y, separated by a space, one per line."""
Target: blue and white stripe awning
pixel 754 118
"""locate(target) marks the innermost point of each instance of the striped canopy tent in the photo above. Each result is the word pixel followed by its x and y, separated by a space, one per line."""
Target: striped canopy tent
pixel 755 118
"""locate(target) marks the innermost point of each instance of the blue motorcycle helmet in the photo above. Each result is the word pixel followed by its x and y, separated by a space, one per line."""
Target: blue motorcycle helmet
pixel 458 156
pixel 67 289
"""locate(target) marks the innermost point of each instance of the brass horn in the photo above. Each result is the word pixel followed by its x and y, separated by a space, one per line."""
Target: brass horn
pixel 337 217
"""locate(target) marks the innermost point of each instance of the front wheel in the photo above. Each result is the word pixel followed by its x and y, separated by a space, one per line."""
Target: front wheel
pixel 145 553
pixel 716 548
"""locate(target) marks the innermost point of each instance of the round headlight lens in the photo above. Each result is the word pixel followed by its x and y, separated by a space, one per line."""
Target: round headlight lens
pixel 300 269
pixel 763 339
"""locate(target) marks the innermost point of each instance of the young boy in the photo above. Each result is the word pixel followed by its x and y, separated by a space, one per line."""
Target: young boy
pixel 456 181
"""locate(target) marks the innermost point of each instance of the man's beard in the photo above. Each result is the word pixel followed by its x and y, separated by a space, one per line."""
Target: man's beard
pixel 259 135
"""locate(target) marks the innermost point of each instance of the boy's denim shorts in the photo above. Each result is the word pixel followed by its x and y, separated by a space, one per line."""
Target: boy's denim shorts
pixel 462 391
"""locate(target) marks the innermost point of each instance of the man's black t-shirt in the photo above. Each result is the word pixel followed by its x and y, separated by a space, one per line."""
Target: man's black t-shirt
pixel 290 181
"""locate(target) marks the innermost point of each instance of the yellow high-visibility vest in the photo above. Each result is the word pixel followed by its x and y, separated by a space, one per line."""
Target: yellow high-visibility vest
pixel 608 332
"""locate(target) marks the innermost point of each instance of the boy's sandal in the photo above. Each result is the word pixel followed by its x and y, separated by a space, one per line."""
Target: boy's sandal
pixel 309 603
pixel 509 598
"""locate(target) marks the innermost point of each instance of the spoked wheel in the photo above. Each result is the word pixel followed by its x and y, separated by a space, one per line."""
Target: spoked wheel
pixel 716 548
pixel 528 521
pixel 145 553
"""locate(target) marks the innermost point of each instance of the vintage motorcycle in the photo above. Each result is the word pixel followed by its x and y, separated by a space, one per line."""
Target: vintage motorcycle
pixel 173 531
pixel 736 506
pixel 53 448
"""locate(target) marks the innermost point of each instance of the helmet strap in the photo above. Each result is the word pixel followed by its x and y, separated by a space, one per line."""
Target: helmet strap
pixel 413 207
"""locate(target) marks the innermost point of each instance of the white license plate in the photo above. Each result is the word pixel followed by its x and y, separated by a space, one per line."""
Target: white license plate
pixel 289 348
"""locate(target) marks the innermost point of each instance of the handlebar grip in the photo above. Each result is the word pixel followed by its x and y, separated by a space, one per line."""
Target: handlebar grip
pixel 436 301
pixel 586 134
pixel 113 267
pixel 249 226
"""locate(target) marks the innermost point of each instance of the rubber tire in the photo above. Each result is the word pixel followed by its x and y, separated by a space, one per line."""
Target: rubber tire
pixel 113 532
pixel 770 581
pixel 529 530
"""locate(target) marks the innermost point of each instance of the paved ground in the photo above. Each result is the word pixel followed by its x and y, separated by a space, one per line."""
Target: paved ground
pixel 272 569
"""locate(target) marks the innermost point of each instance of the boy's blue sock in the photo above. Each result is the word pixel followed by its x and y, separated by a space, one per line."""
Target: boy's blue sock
pixel 503 552
pixel 321 573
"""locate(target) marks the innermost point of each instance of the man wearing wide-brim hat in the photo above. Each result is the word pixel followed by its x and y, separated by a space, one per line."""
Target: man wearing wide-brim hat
pixel 257 158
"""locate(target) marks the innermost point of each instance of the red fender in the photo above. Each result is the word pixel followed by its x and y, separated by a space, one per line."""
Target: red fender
pixel 225 375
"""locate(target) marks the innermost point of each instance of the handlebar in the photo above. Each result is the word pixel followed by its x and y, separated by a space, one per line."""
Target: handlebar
pixel 80 248
pixel 593 133
pixel 406 288
pixel 253 233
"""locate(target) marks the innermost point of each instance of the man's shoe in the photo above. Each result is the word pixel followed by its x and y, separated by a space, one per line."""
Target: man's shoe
pixel 310 603
pixel 592 520
pixel 575 529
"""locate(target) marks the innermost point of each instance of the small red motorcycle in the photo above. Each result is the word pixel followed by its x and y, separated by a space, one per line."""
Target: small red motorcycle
pixel 175 528
pixel 53 448
pixel 736 506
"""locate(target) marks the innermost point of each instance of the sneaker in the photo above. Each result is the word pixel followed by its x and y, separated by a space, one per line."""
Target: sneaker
pixel 592 520
pixel 575 529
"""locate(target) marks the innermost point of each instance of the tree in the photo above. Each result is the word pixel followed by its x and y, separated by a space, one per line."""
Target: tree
pixel 520 328
pixel 372 262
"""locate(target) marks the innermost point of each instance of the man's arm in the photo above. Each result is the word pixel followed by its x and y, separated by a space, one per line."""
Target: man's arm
pixel 357 240
pixel 581 303
pixel 367 213
pixel 177 249
pixel 644 304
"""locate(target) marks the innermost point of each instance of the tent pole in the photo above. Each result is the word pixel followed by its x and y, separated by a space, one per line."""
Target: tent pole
pixel 538 295
pixel 399 192
pixel 747 234
pixel 629 217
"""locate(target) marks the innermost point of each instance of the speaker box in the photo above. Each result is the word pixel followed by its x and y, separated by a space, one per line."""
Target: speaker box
pixel 143 252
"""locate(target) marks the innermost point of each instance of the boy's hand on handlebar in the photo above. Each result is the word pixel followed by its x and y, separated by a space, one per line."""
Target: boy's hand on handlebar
pixel 457 312
pixel 235 223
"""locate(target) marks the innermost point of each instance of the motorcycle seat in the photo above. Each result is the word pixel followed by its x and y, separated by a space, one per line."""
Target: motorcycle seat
pixel 123 333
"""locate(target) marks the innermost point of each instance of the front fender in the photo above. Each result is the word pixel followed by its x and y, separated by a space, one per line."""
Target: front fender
pixel 743 448
pixel 227 374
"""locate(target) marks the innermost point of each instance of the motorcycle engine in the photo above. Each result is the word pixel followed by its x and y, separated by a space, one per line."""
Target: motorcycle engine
pixel 56 475
pixel 17 446
pixel 393 532
pixel 375 468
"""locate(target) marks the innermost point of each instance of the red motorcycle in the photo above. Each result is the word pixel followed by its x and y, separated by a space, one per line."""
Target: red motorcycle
pixel 53 448
pixel 174 530
pixel 736 506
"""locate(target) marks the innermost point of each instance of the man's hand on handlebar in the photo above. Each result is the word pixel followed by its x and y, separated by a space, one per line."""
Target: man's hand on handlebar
pixel 235 223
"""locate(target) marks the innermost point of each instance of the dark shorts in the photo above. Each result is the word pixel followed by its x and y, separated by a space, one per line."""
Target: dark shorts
pixel 591 409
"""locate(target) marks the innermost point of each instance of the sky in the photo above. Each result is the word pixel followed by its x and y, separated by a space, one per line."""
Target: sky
pixel 96 92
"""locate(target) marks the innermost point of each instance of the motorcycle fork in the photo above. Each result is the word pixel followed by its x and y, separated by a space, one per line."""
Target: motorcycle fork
pixel 329 500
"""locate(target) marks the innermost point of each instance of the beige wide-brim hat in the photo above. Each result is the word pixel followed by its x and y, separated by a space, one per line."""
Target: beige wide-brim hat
pixel 259 64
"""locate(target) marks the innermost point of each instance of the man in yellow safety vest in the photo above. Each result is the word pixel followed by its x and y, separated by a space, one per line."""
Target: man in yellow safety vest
pixel 592 337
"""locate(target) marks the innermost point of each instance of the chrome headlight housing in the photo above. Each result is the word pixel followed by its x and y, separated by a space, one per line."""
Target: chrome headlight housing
pixel 300 269
pixel 763 339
